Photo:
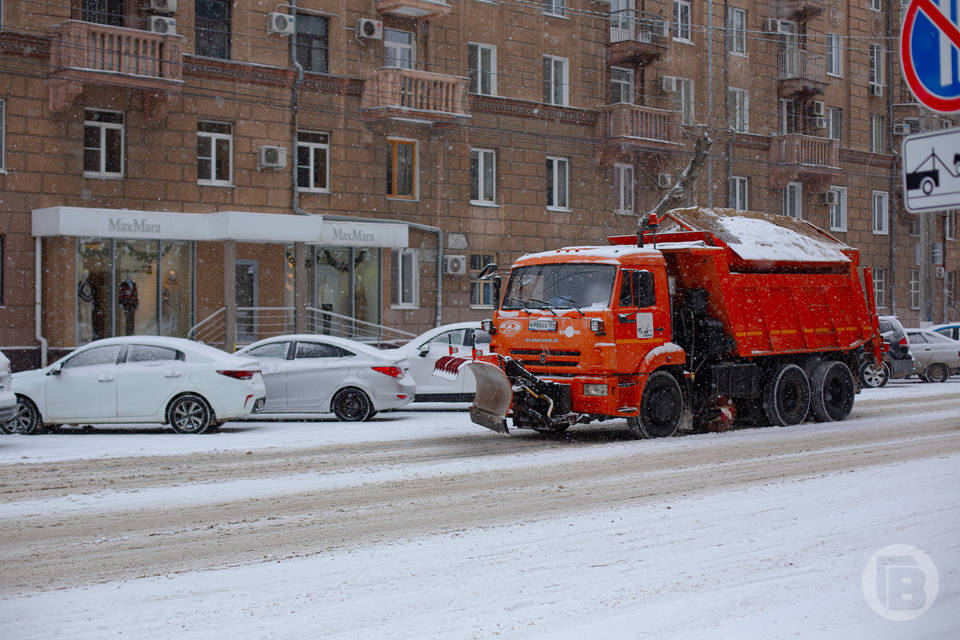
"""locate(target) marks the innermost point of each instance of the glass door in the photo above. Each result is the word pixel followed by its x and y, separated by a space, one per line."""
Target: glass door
pixel 246 299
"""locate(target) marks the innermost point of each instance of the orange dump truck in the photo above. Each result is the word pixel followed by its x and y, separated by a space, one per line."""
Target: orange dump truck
pixel 714 316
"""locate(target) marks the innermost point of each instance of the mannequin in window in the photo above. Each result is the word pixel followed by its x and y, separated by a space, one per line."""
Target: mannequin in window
pixel 86 301
pixel 129 300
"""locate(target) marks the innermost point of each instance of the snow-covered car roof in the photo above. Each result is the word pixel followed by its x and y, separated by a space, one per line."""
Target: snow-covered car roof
pixel 345 343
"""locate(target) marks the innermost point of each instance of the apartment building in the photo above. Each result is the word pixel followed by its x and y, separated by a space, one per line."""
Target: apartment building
pixel 227 169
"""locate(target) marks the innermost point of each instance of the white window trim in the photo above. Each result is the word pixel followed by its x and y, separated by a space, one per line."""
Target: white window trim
pixel 398 46
pixel 213 182
pixel 842 204
pixel 480 185
pixel 416 171
pixel 950 225
pixel 629 83
pixel 880 288
pixel 566 183
pixel 839 50
pixel 397 272
pixel 798 200
pixel 553 13
pixel 884 228
pixel 493 61
pixel 739 186
pixel 553 80
pixel 483 284
pixel 103 126
pixel 685 98
pixel 3 128
pixel 829 113
pixel 313 146
pixel 877 126
pixel 741 103
pixel 675 22
pixel 875 5
pixel 737 36
pixel 877 64
pixel 914 286
pixel 621 170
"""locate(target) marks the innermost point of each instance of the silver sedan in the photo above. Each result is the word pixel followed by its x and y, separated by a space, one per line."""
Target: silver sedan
pixel 937 356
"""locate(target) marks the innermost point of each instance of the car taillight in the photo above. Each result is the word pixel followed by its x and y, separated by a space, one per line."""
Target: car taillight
pixel 239 374
pixel 904 342
pixel 393 372
pixel 886 347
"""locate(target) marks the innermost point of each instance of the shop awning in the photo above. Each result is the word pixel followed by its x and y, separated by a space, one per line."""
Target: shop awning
pixel 241 226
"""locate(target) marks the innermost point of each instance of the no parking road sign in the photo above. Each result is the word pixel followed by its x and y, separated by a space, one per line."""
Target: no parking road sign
pixel 930 53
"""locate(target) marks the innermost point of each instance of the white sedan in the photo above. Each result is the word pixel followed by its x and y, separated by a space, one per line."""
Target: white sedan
pixel 460 339
pixel 308 373
pixel 8 401
pixel 138 379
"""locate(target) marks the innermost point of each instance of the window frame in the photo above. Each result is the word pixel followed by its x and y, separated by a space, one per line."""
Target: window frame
pixel 740 112
pixel 214 137
pixel 313 149
pixel 479 189
pixel 880 288
pixel 3 123
pixel 389 46
pixel 626 84
pixel 477 73
pixel 3 239
pixel 102 146
pixel 737 39
pixel 624 181
pixel 202 29
pixel 877 65
pixel 554 166
pixel 838 222
pixel 684 101
pixel 835 127
pixel 738 192
pixel 795 203
pixel 883 228
pixel 306 42
pixel 393 146
pixel 397 275
pixel 554 8
pixel 834 55
pixel 679 24
pixel 914 288
pixel 480 288
pixel 550 84
pixel 950 225
pixel 876 5
pixel 877 126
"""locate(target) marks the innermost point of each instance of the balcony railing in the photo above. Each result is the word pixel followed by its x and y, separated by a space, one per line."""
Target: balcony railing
pixel 637 36
pixel 803 9
pixel 420 9
pixel 806 151
pixel 89 53
pixel 802 70
pixel 643 123
pixel 420 95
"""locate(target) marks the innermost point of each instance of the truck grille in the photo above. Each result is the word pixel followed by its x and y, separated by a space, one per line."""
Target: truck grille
pixel 540 359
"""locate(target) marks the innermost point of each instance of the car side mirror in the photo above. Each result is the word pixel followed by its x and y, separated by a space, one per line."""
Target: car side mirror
pixel 55 371
pixel 424 350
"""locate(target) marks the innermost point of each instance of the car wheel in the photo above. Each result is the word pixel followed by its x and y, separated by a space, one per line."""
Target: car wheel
pixel 937 372
pixel 832 391
pixel 351 405
pixel 786 399
pixel 26 420
pixel 190 413
pixel 872 376
pixel 661 408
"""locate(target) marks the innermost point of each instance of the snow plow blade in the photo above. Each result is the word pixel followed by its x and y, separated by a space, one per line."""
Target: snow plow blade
pixel 493 397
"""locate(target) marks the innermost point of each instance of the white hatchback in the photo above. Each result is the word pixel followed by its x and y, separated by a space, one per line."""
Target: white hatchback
pixel 308 373
pixel 138 379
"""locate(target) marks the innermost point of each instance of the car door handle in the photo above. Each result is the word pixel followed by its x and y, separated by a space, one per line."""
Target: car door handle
pixel 107 377
pixel 172 374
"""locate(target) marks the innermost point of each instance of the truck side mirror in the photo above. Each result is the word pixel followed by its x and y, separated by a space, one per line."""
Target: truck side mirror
pixel 643 288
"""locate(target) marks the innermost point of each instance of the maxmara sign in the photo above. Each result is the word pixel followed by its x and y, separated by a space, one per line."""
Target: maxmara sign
pixel 242 226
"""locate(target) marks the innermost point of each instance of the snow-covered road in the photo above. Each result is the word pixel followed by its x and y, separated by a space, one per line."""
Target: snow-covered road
pixel 424 525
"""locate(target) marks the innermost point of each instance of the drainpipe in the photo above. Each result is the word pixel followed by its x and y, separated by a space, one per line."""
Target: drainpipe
pixel 710 98
pixel 37 299
pixel 726 100
pixel 893 170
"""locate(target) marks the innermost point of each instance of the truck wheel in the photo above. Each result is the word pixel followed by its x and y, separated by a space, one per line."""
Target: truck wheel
pixel 786 399
pixel 661 408
pixel 831 391
pixel 937 372
pixel 872 376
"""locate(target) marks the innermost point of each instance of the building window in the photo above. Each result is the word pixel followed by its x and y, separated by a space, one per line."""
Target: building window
pixel 835 123
pixel 108 12
pixel 875 5
pixel 2 238
pixel 879 288
pixel 312 42
pixel 3 133
pixel 405 279
pixel 402 169
pixel 398 49
pixel 482 60
pixel 915 226
pixel 793 200
pixel 914 288
pixel 738 109
pixel 951 286
pixel 623 187
pixel 738 193
pixel 483 176
pixel 838 209
pixel 555 7
pixel 215 153
pixel 737 40
pixel 834 55
pixel 481 291
pixel 876 134
pixel 681 20
pixel 103 144
pixel 313 161
pixel 558 175
pixel 789 116
pixel 621 85
pixel 950 225
pixel 683 100
pixel 555 80
pixel 876 66
pixel 212 28
pixel 881 212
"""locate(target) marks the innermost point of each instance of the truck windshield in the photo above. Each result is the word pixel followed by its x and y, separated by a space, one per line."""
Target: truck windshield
pixel 560 286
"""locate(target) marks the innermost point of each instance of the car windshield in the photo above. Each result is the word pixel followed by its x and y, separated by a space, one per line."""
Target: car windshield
pixel 563 286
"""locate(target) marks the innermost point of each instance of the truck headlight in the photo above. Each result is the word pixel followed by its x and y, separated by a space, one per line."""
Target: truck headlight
pixel 596 325
pixel 594 389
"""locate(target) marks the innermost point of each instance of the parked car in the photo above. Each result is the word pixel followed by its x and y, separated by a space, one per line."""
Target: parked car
pixel 321 374
pixel 948 329
pixel 938 357
pixel 8 400
pixel 459 338
pixel 139 379
pixel 898 362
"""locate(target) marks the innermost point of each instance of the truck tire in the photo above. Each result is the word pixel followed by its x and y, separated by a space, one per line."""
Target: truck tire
pixel 786 398
pixel 831 391
pixel 661 408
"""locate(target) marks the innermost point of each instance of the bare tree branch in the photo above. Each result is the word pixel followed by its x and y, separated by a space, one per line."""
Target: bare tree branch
pixel 674 196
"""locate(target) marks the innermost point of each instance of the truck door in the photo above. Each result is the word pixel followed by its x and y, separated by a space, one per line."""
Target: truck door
pixel 637 321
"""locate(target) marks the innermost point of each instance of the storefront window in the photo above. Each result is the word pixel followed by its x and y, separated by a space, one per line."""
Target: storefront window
pixel 347 283
pixel 94 290
pixel 176 299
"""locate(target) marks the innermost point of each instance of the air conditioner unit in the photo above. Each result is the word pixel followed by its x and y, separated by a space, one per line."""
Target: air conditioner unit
pixel 876 90
pixel 455 265
pixel 830 197
pixel 369 29
pixel 163 6
pixel 900 128
pixel 912 125
pixel 165 26
pixel 771 25
pixel 820 122
pixel 664 180
pixel 271 158
pixel 819 108
pixel 282 23
pixel 669 84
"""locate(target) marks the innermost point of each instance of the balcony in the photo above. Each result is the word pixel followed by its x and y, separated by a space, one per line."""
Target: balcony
pixel 801 72
pixel 636 37
pixel 417 96
pixel 419 9
pixel 795 155
pixel 624 128
pixel 96 54
pixel 803 10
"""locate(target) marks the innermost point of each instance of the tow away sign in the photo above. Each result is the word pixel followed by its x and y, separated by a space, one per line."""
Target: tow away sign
pixel 931 171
